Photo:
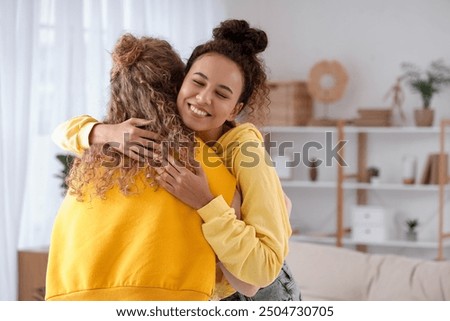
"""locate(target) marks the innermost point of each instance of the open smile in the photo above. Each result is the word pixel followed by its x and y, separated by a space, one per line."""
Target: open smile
pixel 197 111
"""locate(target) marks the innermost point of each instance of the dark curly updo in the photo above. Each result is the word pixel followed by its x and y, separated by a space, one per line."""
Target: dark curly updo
pixel 236 40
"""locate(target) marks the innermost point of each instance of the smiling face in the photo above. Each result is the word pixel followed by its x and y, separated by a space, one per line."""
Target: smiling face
pixel 209 95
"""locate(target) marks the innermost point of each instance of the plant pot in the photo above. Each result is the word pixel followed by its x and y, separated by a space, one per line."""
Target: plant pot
pixel 313 174
pixel 424 117
pixel 411 235
pixel 313 170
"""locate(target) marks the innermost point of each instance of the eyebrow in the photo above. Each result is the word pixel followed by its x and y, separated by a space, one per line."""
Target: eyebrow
pixel 206 78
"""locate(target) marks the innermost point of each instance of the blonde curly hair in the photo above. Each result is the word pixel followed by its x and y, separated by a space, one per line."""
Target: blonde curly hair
pixel 145 78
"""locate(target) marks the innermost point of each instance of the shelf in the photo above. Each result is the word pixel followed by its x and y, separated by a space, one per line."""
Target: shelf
pixel 366 186
pixel 344 183
pixel 353 129
pixel 298 129
pixel 349 241
pixel 391 187
pixel 392 130
pixel 309 184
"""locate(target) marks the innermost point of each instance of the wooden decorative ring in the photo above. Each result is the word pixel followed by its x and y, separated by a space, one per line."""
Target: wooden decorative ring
pixel 337 72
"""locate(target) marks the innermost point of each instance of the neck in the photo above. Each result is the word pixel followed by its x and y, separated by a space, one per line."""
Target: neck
pixel 210 136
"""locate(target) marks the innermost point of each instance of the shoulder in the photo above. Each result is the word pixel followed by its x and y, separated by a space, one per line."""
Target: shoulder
pixel 241 133
pixel 242 148
pixel 234 140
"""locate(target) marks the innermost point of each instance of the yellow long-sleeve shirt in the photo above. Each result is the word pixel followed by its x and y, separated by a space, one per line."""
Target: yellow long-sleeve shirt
pixel 252 249
pixel 147 246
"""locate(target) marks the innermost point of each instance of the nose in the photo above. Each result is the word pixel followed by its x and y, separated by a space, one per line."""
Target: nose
pixel 204 97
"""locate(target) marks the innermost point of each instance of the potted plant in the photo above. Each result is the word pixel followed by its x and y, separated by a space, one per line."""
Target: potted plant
pixel 313 165
pixel 372 175
pixel 411 233
pixel 67 161
pixel 427 83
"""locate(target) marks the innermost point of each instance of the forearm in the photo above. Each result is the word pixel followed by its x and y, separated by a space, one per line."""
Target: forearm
pixel 99 134
pixel 240 286
pixel 79 133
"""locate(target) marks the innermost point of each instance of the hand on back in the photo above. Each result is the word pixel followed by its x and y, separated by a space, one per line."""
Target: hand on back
pixel 127 138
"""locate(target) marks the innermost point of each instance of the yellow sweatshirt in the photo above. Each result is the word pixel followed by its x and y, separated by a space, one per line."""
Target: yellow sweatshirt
pixel 253 249
pixel 147 246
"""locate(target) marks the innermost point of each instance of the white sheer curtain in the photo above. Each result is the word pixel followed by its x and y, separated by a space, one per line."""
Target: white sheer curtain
pixel 54 64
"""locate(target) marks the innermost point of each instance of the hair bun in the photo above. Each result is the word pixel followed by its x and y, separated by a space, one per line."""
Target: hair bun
pixel 127 51
pixel 239 32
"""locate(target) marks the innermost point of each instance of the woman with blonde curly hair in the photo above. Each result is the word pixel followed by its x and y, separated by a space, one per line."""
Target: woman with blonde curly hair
pixel 145 78
pixel 117 236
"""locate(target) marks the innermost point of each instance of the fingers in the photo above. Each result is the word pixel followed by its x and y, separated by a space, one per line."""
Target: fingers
pixel 142 154
pixel 134 155
pixel 145 134
pixel 164 184
pixel 148 149
pixel 166 179
pixel 173 173
pixel 138 122
pixel 173 164
pixel 131 126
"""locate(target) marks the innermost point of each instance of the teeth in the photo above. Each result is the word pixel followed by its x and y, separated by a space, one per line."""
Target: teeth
pixel 198 111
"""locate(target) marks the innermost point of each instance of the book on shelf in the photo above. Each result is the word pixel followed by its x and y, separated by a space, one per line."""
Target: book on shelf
pixel 431 173
pixel 373 117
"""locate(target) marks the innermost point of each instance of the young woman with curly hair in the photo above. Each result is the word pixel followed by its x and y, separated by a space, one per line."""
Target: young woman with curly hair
pixel 225 80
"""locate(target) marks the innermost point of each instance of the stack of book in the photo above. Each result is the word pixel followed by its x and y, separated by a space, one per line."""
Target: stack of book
pixel 373 117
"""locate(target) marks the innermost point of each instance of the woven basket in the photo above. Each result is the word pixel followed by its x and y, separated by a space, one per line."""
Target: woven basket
pixel 291 104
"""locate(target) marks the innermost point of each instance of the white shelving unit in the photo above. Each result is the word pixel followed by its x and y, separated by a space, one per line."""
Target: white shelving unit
pixel 338 185
pixel 367 186
pixel 349 241
pixel 352 129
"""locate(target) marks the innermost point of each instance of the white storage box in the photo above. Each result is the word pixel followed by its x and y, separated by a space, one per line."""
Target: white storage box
pixel 371 223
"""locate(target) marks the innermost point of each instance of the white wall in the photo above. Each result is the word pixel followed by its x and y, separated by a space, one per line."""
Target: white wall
pixel 370 38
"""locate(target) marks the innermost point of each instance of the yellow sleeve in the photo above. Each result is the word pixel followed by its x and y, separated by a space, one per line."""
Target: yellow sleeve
pixel 220 181
pixel 73 135
pixel 253 249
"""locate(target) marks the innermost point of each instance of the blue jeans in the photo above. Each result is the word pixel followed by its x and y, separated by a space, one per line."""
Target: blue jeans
pixel 284 288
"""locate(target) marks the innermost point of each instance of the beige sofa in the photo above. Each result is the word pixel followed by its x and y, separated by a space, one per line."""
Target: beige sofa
pixel 329 273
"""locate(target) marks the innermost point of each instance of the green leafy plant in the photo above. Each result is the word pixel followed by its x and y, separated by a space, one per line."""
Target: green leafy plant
pixel 373 171
pixel 427 82
pixel 412 224
pixel 67 161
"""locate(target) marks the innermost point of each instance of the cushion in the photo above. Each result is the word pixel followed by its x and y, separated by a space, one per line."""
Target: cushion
pixel 403 278
pixel 329 273
pixel 325 272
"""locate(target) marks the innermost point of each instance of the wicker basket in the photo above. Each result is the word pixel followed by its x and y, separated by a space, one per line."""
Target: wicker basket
pixel 291 104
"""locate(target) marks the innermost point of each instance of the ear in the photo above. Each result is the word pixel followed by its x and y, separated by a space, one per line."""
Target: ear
pixel 235 111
